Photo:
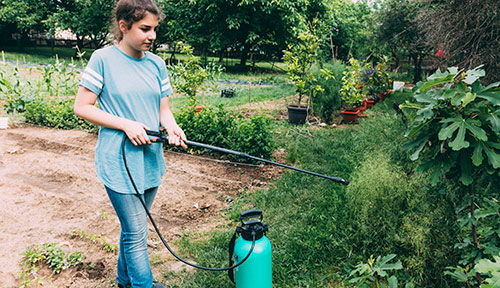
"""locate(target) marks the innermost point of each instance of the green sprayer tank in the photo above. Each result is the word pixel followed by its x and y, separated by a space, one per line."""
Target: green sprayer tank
pixel 256 271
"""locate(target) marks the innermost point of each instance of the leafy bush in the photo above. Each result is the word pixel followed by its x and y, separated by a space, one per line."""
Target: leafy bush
pixel 328 100
pixel 55 113
pixel 219 127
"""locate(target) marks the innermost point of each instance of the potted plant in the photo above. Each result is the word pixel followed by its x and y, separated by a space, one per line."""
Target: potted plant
pixel 352 96
pixel 189 76
pixel 299 59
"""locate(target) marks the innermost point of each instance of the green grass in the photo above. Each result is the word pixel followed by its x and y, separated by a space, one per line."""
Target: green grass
pixel 258 93
pixel 44 55
pixel 311 222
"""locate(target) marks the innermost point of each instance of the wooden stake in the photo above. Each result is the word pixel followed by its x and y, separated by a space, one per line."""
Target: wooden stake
pixel 250 92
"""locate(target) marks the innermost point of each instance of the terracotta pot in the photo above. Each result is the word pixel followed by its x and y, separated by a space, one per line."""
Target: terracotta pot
pixel 350 116
pixel 370 103
pixel 381 96
pixel 363 106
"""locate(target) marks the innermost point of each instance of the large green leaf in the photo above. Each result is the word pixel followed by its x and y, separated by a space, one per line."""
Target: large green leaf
pixel 436 82
pixel 459 142
pixel 477 155
pixel 485 266
pixel 474 74
pixel 393 282
pixel 495 121
pixel 494 98
pixel 493 156
pixel 447 132
pixel 469 97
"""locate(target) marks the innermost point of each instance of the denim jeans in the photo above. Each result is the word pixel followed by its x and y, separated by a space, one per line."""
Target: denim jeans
pixel 133 261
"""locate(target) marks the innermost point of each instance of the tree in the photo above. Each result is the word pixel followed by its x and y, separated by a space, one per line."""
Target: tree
pixel 85 18
pixel 469 31
pixel 455 131
pixel 26 15
pixel 240 25
pixel 401 33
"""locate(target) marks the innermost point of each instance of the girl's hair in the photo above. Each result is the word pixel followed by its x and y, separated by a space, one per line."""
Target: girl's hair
pixel 132 11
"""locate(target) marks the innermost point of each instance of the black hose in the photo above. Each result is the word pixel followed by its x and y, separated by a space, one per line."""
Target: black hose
pixel 159 233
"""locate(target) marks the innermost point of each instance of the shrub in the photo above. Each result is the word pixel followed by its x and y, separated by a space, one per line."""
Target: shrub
pixel 55 113
pixel 219 127
pixel 327 101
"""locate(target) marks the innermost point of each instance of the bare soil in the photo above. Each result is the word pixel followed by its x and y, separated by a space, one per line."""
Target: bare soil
pixel 48 191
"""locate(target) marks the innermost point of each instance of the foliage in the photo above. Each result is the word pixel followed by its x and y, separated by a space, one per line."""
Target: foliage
pixel 467 30
pixel 398 29
pixel 328 100
pixel 299 59
pixel 375 271
pixel 222 128
pixel 478 259
pixel 12 89
pixel 27 14
pixel 96 239
pixel 376 79
pixel 350 28
pixel 85 18
pixel 188 76
pixel 455 123
pixel 52 255
pixel 351 91
pixel 16 91
pixel 390 212
pixel 57 113
pixel 241 27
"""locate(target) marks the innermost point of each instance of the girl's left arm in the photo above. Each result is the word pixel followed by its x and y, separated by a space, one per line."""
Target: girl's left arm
pixel 175 134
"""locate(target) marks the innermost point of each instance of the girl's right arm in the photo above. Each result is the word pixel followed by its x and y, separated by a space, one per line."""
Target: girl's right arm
pixel 85 108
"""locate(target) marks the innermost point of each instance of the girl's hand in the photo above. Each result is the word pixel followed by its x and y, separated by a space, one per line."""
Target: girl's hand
pixel 176 136
pixel 136 132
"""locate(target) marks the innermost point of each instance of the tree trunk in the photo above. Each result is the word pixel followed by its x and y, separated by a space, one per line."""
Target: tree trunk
pixel 417 64
pixel 244 56
pixel 474 227
pixel 221 56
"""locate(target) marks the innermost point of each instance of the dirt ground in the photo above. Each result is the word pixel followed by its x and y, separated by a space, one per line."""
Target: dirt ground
pixel 48 191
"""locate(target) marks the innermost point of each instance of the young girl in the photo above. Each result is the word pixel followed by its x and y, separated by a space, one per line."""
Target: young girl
pixel 131 86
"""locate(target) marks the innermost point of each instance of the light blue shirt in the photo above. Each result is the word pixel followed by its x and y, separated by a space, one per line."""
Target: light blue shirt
pixel 130 88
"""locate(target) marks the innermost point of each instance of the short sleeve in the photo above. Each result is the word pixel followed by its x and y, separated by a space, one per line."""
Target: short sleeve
pixel 166 87
pixel 92 77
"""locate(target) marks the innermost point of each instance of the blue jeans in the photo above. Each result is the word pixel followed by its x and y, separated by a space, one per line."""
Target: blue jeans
pixel 133 261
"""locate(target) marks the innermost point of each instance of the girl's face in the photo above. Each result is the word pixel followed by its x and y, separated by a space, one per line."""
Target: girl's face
pixel 140 36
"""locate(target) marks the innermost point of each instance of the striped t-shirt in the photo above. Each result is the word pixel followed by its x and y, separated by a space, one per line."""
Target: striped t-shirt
pixel 131 88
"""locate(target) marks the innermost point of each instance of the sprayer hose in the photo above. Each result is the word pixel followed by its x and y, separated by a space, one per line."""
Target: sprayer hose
pixel 158 231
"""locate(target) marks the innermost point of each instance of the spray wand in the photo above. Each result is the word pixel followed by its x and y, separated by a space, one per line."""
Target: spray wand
pixel 162 138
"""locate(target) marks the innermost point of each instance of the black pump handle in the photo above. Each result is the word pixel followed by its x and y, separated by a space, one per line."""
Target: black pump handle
pixel 251 214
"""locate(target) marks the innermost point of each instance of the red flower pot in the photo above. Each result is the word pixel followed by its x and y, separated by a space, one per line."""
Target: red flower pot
pixel 369 103
pixel 350 116
pixel 363 106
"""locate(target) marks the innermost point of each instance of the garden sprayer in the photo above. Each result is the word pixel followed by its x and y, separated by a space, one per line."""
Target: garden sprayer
pixel 252 248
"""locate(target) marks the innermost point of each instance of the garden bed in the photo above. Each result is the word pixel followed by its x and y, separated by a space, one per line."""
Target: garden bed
pixel 49 191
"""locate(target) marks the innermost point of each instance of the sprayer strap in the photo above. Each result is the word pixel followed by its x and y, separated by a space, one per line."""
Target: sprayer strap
pixel 230 272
